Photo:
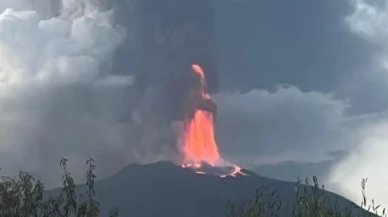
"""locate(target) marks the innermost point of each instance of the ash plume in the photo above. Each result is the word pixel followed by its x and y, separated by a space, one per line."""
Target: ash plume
pixel 175 36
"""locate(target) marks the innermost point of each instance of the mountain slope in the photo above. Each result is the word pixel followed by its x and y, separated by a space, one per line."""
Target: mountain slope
pixel 166 190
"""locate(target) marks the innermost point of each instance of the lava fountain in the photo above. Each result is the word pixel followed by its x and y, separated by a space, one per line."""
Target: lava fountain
pixel 199 144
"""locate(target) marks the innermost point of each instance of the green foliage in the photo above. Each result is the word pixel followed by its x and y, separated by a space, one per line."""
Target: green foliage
pixel 22 196
pixel 310 202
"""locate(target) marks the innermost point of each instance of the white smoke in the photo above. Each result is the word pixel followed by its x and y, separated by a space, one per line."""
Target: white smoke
pixel 370 21
pixel 57 98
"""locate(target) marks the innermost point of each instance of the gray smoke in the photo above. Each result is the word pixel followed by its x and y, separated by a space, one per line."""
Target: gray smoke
pixel 58 97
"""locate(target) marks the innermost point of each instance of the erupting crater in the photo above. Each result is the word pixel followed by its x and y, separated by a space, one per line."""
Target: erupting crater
pixel 200 150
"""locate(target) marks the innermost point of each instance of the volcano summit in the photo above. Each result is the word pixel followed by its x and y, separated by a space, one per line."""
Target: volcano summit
pixel 166 190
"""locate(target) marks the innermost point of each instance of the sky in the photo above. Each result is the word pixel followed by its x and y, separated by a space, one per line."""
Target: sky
pixel 303 91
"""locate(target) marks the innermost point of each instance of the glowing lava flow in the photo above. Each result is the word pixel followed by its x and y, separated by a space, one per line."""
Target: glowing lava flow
pixel 200 145
pixel 199 142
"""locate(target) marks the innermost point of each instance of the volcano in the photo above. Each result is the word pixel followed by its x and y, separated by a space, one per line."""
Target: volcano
pixel 201 185
pixel 164 189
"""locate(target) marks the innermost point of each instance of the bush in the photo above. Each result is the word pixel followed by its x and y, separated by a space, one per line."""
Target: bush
pixel 310 202
pixel 22 196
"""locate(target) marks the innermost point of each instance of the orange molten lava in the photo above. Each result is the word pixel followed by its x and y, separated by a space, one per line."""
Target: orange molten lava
pixel 199 144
